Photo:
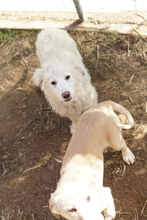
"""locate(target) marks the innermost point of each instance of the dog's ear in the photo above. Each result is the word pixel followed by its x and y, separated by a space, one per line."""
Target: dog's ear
pixel 38 76
pixel 80 70
pixel 53 207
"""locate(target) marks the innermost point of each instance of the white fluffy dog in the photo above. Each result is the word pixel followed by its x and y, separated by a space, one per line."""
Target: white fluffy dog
pixel 63 76
pixel 80 194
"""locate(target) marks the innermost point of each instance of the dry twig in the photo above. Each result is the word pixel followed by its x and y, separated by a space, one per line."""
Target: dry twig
pixel 131 79
pixel 5 170
pixel 143 194
pixel 32 168
pixel 94 21
pixel 25 127
pixel 112 88
pixel 22 130
pixel 97 55
pixel 141 17
pixel 24 61
pixel 136 214
pixel 142 210
pixel 144 55
pixel 128 48
pixel 33 216
pixel 109 48
pixel 91 39
pixel 124 170
pixel 139 35
pixel 141 165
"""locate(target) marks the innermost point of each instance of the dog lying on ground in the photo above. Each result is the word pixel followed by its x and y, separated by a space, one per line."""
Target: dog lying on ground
pixel 80 194
pixel 63 77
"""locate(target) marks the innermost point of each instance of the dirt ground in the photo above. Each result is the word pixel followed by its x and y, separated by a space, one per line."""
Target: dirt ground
pixel 33 139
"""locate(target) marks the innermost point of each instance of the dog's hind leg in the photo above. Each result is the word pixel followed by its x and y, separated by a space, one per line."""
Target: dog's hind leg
pixel 117 142
pixel 127 154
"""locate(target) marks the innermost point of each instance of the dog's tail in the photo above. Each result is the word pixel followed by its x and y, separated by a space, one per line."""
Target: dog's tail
pixel 119 108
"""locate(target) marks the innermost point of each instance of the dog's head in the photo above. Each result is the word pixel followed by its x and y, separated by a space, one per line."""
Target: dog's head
pixel 62 83
pixel 79 203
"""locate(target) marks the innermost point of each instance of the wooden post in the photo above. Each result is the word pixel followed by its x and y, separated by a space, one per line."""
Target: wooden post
pixel 79 10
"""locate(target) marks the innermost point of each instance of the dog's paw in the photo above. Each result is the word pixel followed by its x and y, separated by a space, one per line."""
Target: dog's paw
pixel 72 128
pixel 110 217
pixel 128 157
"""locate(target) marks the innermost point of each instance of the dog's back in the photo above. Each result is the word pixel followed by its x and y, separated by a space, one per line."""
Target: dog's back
pixel 55 44
pixel 98 128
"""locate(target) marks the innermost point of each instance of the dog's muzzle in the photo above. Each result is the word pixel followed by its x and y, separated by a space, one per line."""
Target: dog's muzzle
pixel 66 96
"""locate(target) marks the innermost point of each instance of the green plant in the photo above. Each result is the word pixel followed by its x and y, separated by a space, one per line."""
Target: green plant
pixel 7 34
pixel 110 36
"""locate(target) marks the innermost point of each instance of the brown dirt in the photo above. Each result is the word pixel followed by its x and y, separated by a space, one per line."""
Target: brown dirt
pixel 33 139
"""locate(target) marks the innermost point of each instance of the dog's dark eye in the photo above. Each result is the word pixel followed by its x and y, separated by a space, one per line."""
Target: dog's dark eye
pixel 72 210
pixel 53 83
pixel 67 77
pixel 88 198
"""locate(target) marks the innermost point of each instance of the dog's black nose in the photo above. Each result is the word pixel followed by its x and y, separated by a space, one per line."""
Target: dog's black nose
pixel 66 95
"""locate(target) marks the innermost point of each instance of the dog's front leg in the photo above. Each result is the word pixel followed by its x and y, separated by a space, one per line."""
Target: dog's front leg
pixel 74 119
pixel 109 211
